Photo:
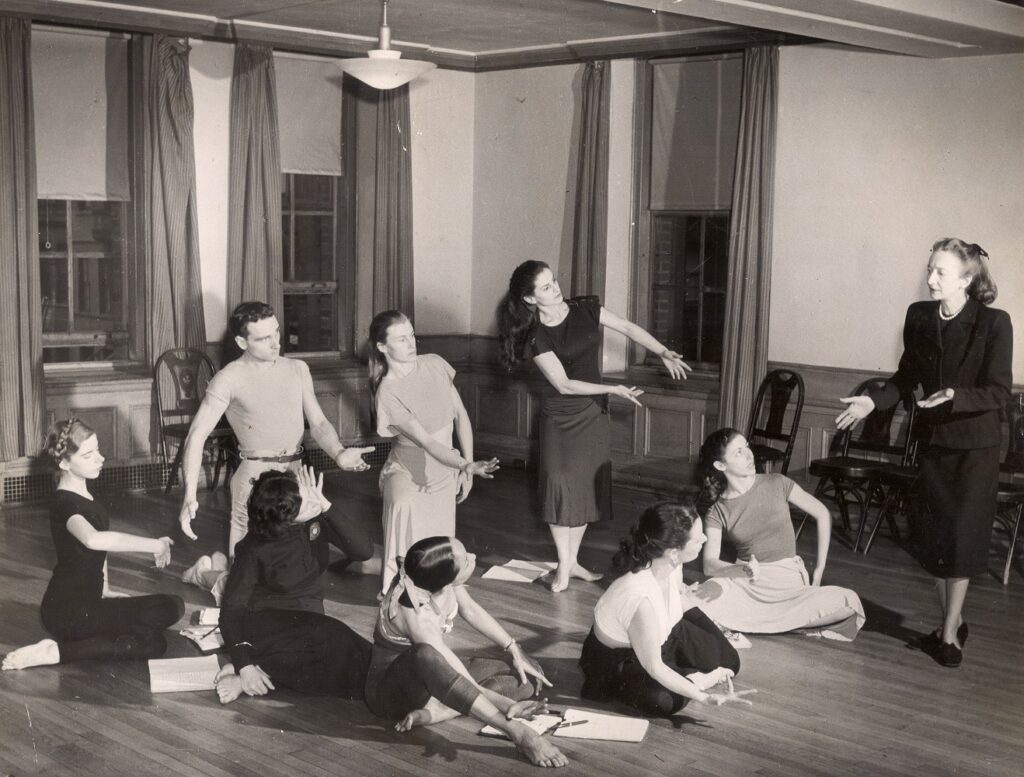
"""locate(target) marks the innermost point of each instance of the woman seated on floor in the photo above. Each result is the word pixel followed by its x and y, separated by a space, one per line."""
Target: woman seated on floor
pixel 651 647
pixel 88 619
pixel 417 679
pixel 767 590
pixel 272 615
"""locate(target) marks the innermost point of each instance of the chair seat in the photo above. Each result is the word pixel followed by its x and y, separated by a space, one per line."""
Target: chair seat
pixel 846 467
pixel 898 475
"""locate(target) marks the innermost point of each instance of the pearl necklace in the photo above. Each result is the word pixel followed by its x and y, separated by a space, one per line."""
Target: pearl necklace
pixel 954 314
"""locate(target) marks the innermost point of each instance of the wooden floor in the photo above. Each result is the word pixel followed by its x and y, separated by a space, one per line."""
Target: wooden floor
pixel 874 707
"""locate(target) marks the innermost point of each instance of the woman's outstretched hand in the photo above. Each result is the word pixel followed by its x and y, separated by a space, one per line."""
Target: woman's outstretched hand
pixel 525 665
pixel 484 469
pixel 856 408
pixel 163 557
pixel 527 709
pixel 675 365
pixel 938 398
pixel 752 568
pixel 627 392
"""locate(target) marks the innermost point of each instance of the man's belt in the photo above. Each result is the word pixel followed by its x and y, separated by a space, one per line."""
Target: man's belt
pixel 283 458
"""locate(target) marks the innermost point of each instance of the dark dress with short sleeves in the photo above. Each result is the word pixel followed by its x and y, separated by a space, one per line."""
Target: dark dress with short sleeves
pixel 575 434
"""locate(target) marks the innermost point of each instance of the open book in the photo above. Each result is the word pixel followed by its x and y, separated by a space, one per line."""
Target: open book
pixel 170 675
pixel 585 724
pixel 519 571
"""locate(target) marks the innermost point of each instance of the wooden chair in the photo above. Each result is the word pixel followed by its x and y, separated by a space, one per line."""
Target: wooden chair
pixel 779 390
pixel 1010 500
pixel 896 482
pixel 843 476
pixel 180 378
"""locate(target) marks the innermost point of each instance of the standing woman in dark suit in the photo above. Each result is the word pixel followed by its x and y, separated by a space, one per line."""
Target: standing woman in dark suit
pixel 960 352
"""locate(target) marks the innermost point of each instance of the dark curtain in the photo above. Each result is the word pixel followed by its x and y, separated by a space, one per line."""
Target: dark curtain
pixel 22 401
pixel 392 230
pixel 745 350
pixel 254 201
pixel 590 219
pixel 170 239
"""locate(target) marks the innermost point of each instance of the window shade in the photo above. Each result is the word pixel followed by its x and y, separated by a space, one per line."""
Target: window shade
pixel 308 114
pixel 694 130
pixel 80 97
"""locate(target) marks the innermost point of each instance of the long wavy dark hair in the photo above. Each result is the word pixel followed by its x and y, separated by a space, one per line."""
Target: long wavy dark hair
pixel 515 316
pixel 661 527
pixel 376 363
pixel 63 439
pixel 713 481
pixel 273 504
pixel 974 259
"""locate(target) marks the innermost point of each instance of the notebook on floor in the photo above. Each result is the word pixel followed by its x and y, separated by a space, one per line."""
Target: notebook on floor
pixel 586 724
pixel 171 675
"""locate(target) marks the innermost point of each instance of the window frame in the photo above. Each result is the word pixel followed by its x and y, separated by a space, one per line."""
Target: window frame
pixel 643 243
pixel 343 196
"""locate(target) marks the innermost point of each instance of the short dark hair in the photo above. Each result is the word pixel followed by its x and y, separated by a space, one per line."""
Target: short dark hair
pixel 248 313
pixel 273 504
pixel 430 563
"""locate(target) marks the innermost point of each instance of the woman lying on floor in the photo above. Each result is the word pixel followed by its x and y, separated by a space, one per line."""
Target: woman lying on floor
pixel 79 609
pixel 272 615
pixel 767 590
pixel 651 647
pixel 416 678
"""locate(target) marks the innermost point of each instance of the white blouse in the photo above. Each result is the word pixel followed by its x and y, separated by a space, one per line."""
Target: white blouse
pixel 615 609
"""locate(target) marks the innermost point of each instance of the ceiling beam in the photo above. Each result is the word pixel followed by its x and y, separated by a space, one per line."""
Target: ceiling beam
pixel 922 28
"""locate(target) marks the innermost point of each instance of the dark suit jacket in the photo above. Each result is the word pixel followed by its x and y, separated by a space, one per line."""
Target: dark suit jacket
pixel 976 362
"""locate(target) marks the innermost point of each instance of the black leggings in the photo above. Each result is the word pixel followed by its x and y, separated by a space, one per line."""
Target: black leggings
pixel 695 644
pixel 309 652
pixel 402 681
pixel 120 629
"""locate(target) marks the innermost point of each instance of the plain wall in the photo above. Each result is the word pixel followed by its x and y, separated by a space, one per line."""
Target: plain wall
pixel 521 177
pixel 210 68
pixel 441 105
pixel 877 157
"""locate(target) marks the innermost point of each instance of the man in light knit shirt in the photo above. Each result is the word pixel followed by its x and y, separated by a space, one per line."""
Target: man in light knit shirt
pixel 265 396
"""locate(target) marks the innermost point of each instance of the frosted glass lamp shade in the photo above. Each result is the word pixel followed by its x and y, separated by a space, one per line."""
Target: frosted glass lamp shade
pixel 384 68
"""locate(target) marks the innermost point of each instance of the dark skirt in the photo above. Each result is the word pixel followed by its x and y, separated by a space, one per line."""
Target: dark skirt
pixel 695 644
pixel 960 488
pixel 575 459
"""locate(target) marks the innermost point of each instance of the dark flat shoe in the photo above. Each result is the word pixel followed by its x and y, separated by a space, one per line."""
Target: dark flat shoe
pixel 933 639
pixel 949 655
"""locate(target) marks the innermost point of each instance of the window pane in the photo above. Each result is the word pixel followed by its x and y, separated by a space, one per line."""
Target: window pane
pixel 716 239
pixel 285 198
pixel 54 281
pixel 714 327
pixel 96 239
pixel 309 323
pixel 313 192
pixel 53 227
pixel 314 248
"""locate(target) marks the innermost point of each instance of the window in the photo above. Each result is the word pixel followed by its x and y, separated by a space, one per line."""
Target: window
pixel 688 112
pixel 689 266
pixel 81 256
pixel 318 251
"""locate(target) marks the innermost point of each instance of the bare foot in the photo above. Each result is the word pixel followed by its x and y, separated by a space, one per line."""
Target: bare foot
pixel 556 582
pixel 42 653
pixel 194 574
pixel 584 574
pixel 228 684
pixel 538 751
pixel 420 717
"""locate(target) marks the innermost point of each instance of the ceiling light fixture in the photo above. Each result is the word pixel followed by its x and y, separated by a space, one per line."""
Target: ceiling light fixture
pixel 383 68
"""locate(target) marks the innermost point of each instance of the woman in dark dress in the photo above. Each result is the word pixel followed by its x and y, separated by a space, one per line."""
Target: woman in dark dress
pixel 960 352
pixel 272 616
pixel 89 620
pixel 563 337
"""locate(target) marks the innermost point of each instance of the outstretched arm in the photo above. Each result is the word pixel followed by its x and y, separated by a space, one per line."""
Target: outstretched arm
pixel 554 371
pixel 119 542
pixel 206 418
pixel 481 620
pixel 673 361
pixel 814 507
pixel 464 431
pixel 450 457
pixel 323 431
